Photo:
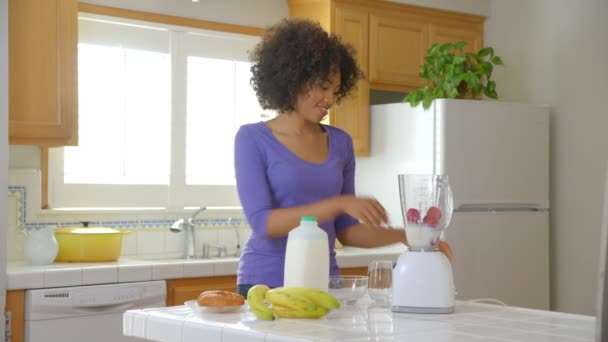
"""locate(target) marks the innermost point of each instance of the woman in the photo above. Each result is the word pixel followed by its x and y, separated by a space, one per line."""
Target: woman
pixel 292 166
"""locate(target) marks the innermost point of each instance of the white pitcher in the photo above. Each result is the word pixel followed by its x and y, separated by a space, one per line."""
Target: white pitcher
pixel 41 246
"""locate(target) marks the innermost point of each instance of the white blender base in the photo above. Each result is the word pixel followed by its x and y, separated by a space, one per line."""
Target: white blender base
pixel 423 283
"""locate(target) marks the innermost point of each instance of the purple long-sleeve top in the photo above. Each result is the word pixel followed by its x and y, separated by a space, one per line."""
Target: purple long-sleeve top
pixel 269 176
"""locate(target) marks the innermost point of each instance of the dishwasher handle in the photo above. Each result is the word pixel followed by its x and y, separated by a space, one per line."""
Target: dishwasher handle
pixel 101 308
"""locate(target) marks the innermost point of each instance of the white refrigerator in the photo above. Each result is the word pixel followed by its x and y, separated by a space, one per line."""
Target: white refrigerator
pixel 496 155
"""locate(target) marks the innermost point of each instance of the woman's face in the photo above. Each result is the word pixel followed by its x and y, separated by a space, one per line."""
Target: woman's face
pixel 314 102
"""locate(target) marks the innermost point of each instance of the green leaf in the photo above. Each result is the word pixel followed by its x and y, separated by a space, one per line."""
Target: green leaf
pixel 459 69
pixel 436 79
pixel 439 63
pixel 453 93
pixel 497 60
pixel 458 59
pixel 447 86
pixel 486 92
pixel 425 71
pixel 483 52
pixel 473 57
pixel 449 71
pixel 493 95
pixel 491 86
pixel 438 93
pixel 487 66
pixel 445 48
pixel 412 98
pixel 457 79
pixel 470 78
pixel 490 90
pixel 476 89
pixel 460 45
pixel 434 49
pixel 426 102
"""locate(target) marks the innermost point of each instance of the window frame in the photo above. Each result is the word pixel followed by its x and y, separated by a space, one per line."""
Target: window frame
pixel 178 196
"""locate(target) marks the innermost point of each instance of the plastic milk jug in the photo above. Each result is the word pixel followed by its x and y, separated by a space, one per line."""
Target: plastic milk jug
pixel 307 256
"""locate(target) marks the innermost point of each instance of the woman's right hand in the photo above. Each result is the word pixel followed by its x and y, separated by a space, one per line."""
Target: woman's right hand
pixel 364 209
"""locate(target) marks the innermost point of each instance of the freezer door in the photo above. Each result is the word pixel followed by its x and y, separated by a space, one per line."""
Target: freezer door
pixel 494 152
pixel 501 255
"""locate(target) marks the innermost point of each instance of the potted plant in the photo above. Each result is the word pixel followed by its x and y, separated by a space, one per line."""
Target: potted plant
pixel 454 74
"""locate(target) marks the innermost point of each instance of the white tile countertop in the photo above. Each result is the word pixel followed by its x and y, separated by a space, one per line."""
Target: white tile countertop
pixel 22 275
pixel 363 322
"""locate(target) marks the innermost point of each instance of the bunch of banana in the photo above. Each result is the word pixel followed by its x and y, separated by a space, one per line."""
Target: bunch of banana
pixel 290 302
pixel 255 300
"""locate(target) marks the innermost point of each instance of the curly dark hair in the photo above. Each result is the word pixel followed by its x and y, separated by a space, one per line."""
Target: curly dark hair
pixel 294 54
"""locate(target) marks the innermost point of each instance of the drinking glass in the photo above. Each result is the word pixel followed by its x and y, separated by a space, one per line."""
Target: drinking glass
pixel 380 274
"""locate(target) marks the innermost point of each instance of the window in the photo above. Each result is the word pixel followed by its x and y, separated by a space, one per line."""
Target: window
pixel 158 110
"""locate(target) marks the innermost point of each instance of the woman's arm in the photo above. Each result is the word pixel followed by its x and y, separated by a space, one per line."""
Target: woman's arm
pixel 281 221
pixel 365 236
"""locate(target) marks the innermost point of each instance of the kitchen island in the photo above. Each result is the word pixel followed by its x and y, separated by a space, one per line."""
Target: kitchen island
pixel 365 321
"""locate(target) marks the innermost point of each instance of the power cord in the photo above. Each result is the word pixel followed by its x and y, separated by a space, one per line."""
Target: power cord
pixel 483 300
pixel 486 301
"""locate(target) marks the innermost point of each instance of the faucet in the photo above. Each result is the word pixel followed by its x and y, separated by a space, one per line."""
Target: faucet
pixel 237 253
pixel 188 227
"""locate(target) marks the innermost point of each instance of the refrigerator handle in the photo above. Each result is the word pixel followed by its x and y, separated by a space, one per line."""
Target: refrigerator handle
pixel 499 207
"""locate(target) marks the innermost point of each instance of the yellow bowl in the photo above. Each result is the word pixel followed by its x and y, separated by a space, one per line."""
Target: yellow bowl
pixel 86 244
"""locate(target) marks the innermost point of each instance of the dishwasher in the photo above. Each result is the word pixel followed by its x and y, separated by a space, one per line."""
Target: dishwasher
pixel 87 313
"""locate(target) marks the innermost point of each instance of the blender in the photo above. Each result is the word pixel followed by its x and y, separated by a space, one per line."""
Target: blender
pixel 422 278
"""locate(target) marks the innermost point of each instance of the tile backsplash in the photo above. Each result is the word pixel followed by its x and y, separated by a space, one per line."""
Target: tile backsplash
pixel 150 236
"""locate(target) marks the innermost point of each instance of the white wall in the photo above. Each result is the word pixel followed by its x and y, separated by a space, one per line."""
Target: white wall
pixel 3 152
pixel 555 52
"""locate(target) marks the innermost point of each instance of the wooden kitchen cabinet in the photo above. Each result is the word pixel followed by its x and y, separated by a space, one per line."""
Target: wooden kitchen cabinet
pixel 351 23
pixel 43 38
pixel 362 271
pixel 399 40
pixel 15 304
pixel 398 44
pixel 352 114
pixel 391 40
pixel 471 33
pixel 182 290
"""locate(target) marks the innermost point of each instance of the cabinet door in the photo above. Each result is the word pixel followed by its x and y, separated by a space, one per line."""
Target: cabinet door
pixel 352 114
pixel 15 304
pixel 452 33
pixel 362 271
pixel 398 45
pixel 182 290
pixel 42 72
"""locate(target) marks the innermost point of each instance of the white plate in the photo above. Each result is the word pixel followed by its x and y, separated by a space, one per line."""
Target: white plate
pixel 193 305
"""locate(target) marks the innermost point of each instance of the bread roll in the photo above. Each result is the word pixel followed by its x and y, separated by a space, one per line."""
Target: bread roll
pixel 218 298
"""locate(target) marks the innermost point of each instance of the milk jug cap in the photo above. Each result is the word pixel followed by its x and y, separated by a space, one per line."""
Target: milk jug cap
pixel 309 219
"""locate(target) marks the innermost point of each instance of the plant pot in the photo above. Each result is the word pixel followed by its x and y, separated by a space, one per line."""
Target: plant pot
pixel 89 244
